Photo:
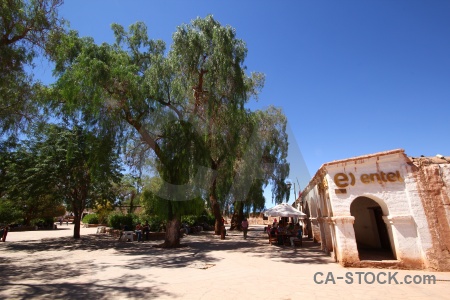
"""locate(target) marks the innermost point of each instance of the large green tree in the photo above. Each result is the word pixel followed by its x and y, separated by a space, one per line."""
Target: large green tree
pixel 71 165
pixel 208 61
pixel 263 162
pixel 24 30
pixel 83 166
pixel 192 96
pixel 24 187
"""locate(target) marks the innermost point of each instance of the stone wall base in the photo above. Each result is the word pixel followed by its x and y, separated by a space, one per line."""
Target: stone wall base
pixel 384 264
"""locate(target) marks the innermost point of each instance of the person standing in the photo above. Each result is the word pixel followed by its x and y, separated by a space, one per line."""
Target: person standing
pixel 146 230
pixel 223 231
pixel 139 232
pixel 244 225
pixel 275 223
pixel 296 234
pixel 4 233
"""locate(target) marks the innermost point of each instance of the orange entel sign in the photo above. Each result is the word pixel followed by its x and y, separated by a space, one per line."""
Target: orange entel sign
pixel 343 180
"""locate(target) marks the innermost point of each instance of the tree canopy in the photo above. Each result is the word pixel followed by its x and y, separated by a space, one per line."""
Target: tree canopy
pixel 186 105
pixel 24 31
pixel 59 165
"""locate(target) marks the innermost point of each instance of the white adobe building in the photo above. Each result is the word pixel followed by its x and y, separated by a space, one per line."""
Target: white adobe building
pixel 382 210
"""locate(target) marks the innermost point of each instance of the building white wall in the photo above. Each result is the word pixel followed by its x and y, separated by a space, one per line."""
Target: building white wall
pixel 395 192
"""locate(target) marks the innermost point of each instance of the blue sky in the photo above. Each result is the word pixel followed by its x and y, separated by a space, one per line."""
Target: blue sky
pixel 353 77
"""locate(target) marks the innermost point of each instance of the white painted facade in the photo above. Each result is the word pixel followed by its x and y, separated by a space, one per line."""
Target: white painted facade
pixel 373 204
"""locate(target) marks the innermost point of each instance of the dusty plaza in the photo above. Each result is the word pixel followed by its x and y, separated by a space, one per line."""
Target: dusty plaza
pixel 224 150
pixel 52 265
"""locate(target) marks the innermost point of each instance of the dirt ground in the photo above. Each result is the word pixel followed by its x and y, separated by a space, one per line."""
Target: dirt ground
pixel 52 265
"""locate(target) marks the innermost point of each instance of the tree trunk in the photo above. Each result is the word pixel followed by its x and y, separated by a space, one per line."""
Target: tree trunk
pixel 76 228
pixel 216 211
pixel 172 239
pixel 132 196
pixel 238 216
pixel 26 221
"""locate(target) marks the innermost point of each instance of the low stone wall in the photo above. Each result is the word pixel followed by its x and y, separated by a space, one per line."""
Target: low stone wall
pixel 93 225
pixel 156 236
pixel 23 228
pixel 153 236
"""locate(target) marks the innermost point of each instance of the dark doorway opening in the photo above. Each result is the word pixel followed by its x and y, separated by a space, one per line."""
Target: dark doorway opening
pixel 372 237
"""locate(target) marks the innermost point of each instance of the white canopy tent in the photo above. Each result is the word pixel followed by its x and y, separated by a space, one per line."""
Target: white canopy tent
pixel 284 210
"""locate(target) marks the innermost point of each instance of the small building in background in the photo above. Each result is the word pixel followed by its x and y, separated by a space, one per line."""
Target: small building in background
pixel 382 210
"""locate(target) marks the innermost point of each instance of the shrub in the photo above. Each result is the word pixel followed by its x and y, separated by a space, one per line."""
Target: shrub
pixel 206 219
pixel 9 213
pixel 156 223
pixel 189 220
pixel 103 211
pixel 42 222
pixel 90 219
pixel 118 220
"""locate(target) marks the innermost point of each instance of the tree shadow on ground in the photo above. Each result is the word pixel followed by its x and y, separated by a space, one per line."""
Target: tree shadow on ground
pixel 82 291
pixel 257 244
pixel 196 247
pixel 39 279
pixel 31 273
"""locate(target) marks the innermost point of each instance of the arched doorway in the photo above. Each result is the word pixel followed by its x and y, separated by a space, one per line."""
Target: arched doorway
pixel 372 237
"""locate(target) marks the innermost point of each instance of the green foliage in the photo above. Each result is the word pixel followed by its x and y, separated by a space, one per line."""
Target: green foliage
pixel 202 219
pixel 206 218
pixel 126 192
pixel 103 217
pixel 25 182
pixel 9 213
pixel 272 123
pixel 115 221
pixel 118 220
pixel 90 219
pixel 103 210
pixel 209 57
pixel 154 204
pixel 24 31
pixel 156 223
pixel 43 222
pixel 74 165
pixel 264 160
pixel 186 105
pixel 189 220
